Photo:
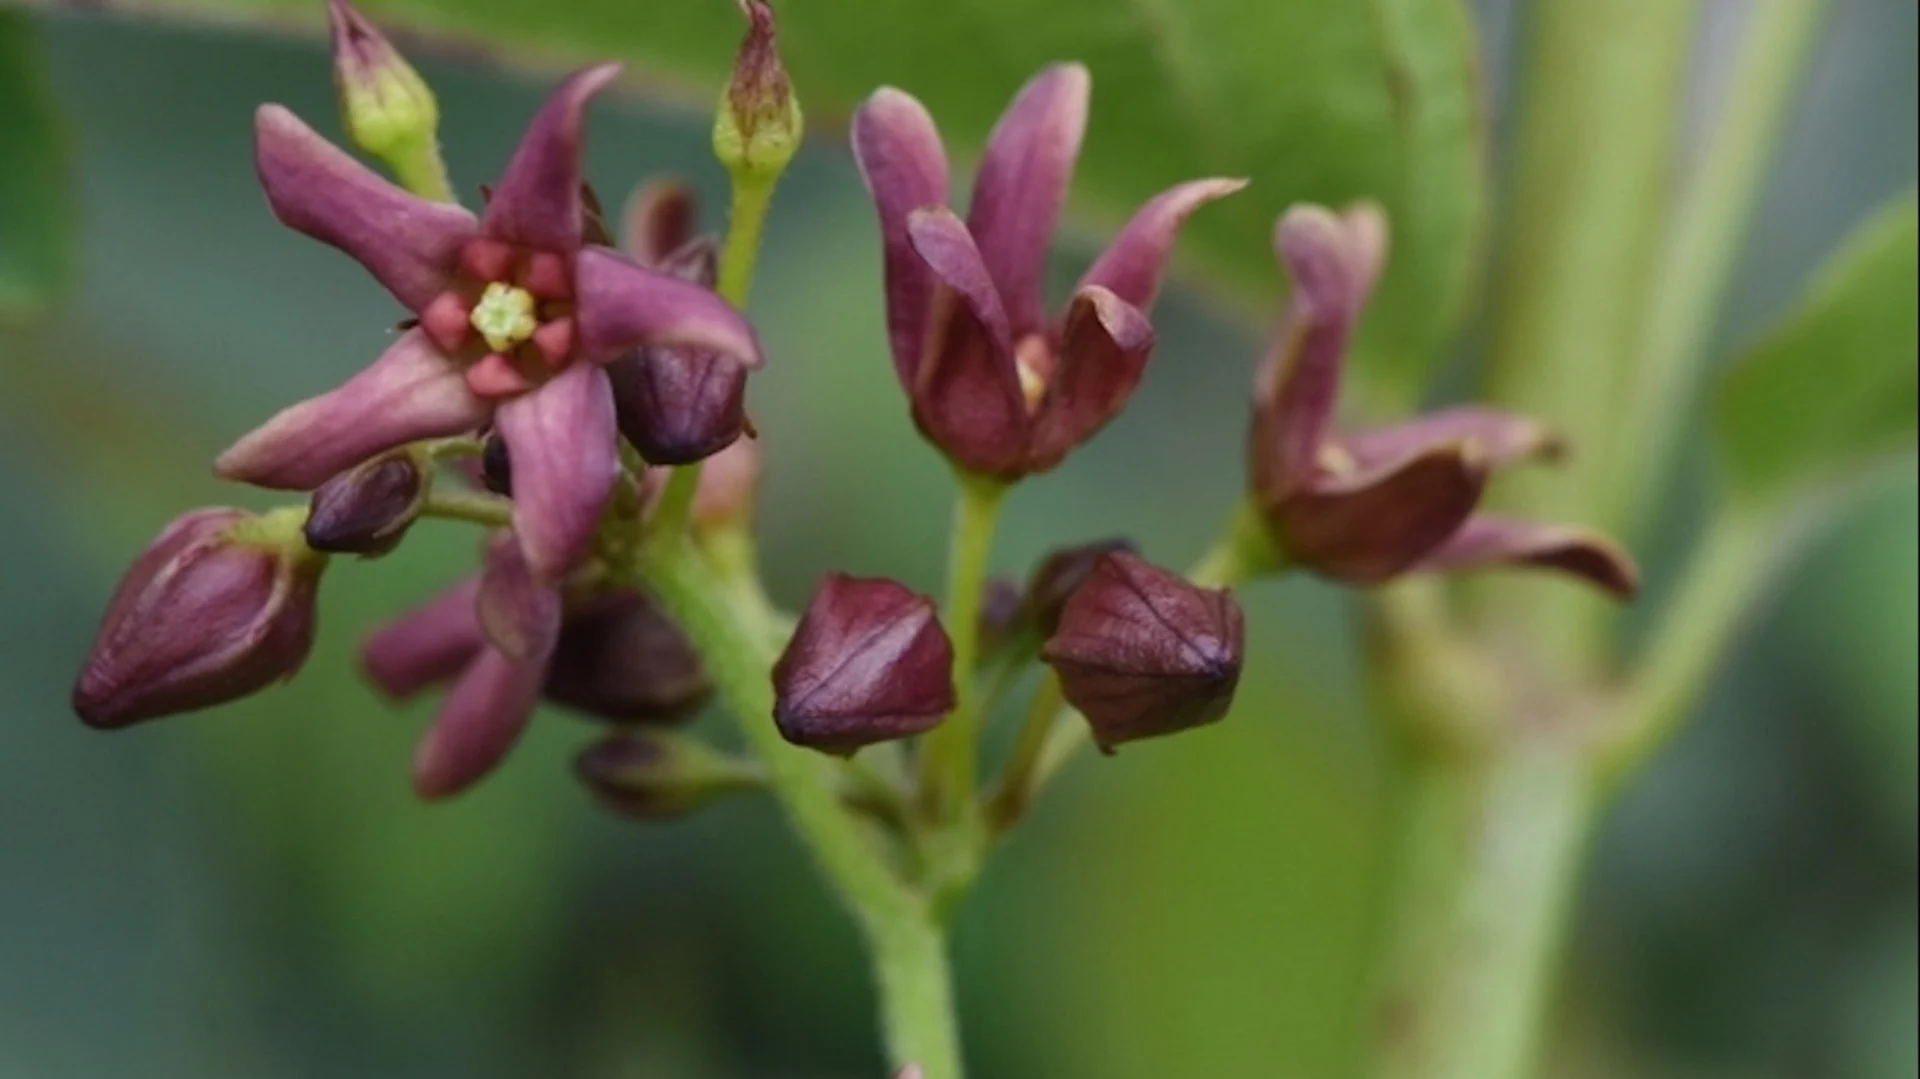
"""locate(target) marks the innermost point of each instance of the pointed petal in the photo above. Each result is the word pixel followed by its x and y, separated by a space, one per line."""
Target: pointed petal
pixel 561 440
pixel 410 392
pixel 1022 184
pixel 537 201
pixel 426 646
pixel 659 218
pixel 1133 263
pixel 1332 261
pixel 967 398
pixel 480 721
pixel 408 243
pixel 624 306
pixel 1501 437
pixel 1368 527
pixel 900 157
pixel 1103 350
pixel 519 614
pixel 1487 541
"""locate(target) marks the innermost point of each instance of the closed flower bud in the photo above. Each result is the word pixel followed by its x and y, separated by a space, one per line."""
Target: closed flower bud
pixel 1061 574
pixel 680 405
pixel 496 468
pixel 1141 652
pixel 654 775
pixel 869 662
pixel 621 659
pixel 218 607
pixel 385 105
pixel 367 509
pixel 758 126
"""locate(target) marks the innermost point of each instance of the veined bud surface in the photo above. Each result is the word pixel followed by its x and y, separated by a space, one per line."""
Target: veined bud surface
pixel 869 662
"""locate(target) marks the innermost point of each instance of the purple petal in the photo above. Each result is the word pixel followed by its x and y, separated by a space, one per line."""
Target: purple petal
pixel 1103 350
pixel 905 168
pixel 425 646
pixel 967 397
pixel 1133 263
pixel 1332 261
pixel 518 614
pixel 1368 527
pixel 624 306
pixel 411 392
pixel 537 201
pixel 1022 184
pixel 480 721
pixel 659 218
pixel 406 242
pixel 1487 541
pixel 561 440
pixel 1501 437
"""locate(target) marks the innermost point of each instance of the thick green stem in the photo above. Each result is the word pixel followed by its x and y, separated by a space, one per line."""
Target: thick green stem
pixel 1488 859
pixel 1708 222
pixel 1593 156
pixel 908 952
pixel 950 752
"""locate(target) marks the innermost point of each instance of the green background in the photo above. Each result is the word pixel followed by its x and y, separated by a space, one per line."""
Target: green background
pixel 253 892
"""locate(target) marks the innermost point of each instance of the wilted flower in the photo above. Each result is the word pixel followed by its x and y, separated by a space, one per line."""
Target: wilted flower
pixel 1369 506
pixel 869 662
pixel 999 388
pixel 515 316
pixel 1141 652
pixel 368 508
pixel 218 607
pixel 656 775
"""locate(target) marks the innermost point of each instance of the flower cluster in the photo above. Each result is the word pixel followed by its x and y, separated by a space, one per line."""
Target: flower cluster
pixel 587 406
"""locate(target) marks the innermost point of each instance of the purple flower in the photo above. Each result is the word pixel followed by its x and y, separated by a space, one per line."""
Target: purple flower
pixel 209 613
pixel 1369 506
pixel 514 318
pixel 1001 389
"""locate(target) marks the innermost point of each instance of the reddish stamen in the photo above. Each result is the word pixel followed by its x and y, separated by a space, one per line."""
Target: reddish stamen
pixel 554 339
pixel 445 321
pixel 488 260
pixel 546 276
pixel 496 376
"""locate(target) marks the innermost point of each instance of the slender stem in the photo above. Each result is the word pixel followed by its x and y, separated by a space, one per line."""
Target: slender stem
pixel 1489 855
pixel 949 757
pixel 1708 224
pixel 1016 788
pixel 908 952
pixel 746 220
pixel 475 506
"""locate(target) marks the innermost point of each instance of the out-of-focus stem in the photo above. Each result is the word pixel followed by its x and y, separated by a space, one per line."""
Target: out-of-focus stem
pixel 477 507
pixel 1017 782
pixel 950 752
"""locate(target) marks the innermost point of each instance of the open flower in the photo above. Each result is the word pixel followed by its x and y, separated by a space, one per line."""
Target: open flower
pixel 1368 506
pixel 514 318
pixel 1000 388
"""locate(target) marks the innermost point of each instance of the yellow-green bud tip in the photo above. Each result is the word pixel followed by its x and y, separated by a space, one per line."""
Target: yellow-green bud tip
pixel 759 126
pixel 386 105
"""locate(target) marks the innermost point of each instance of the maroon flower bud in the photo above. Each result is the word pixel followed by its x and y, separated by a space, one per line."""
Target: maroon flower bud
pixel 681 405
pixel 621 659
pixel 220 605
pixel 1002 615
pixel 368 508
pixel 1141 652
pixel 1060 575
pixel 654 775
pixel 496 467
pixel 869 662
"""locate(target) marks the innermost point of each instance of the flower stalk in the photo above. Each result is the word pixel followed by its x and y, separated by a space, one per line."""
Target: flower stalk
pixel 949 753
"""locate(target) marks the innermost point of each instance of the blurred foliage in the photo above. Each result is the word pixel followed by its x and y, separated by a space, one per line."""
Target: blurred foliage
pixel 254 892
pixel 1376 99
pixel 1837 385
pixel 36 218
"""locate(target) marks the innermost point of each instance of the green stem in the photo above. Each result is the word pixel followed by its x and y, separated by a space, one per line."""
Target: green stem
pixel 950 752
pixel 1708 224
pixel 908 951
pixel 746 220
pixel 419 168
pixel 475 506
pixel 1593 154
pixel 1489 855
pixel 1017 785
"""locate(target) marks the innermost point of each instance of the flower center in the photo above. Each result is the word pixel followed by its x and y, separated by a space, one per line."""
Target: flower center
pixel 1033 360
pixel 504 316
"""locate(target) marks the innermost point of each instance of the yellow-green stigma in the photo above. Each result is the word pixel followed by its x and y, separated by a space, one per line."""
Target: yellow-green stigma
pixel 504 316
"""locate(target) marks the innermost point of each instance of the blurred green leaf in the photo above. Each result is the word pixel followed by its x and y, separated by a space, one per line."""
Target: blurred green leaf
pixel 1833 387
pixel 36 214
pixel 1327 102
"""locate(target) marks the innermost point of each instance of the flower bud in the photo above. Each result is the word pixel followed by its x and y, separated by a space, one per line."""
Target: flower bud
pixel 367 509
pixel 1061 574
pixel 621 659
pixel 653 775
pixel 496 468
pixel 679 405
pixel 869 662
pixel 219 606
pixel 758 127
pixel 1141 652
pixel 1002 615
pixel 385 105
